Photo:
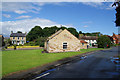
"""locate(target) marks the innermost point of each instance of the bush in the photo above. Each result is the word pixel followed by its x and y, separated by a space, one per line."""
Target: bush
pixel 104 42
pixel 26 44
pixel 5 47
pixel 15 46
pixel 20 45
pixel 41 45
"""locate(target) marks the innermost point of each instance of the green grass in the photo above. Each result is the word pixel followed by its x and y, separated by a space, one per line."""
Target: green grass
pixel 18 60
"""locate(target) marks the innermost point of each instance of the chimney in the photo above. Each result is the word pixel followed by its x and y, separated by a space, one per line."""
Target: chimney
pixel 11 32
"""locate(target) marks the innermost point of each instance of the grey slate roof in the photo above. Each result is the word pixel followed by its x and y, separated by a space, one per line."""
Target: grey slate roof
pixel 88 37
pixel 18 35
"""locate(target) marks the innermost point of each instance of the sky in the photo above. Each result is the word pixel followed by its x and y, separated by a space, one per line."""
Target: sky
pixel 84 16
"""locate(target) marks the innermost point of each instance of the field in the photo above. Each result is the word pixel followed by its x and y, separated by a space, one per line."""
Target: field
pixel 17 60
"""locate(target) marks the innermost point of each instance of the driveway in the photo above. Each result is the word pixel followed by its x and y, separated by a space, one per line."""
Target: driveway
pixel 95 65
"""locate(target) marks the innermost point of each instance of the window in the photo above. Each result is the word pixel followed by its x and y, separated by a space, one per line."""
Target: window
pixel 82 44
pixel 22 37
pixel 22 42
pixel 13 42
pixel 64 45
pixel 18 37
pixel 13 37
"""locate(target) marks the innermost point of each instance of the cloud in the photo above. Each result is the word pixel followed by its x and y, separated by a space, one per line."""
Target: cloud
pixel 93 4
pixel 85 26
pixel 58 0
pixel 26 25
pixel 100 5
pixel 20 7
pixel 22 17
pixel 20 11
pixel 7 15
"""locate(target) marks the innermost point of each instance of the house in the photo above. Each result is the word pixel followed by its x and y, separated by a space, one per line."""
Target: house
pixel 18 38
pixel 62 41
pixel 116 38
pixel 83 44
pixel 1 40
pixel 91 40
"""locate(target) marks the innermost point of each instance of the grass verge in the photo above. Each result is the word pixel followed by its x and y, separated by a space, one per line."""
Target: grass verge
pixel 17 60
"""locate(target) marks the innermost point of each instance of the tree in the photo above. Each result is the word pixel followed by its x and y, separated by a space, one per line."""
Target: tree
pixel 34 33
pixel 80 32
pixel 117 4
pixel 19 32
pixel 40 41
pixel 62 27
pixel 73 31
pixel 103 42
pixel 118 16
pixel 48 31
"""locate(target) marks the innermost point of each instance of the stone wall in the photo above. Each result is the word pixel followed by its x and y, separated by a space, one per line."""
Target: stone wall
pixel 56 43
pixel 83 46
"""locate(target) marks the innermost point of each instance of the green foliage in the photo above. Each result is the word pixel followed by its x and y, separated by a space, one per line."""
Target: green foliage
pixel 34 33
pixel 41 41
pixel 80 32
pixel 32 43
pixel 48 31
pixel 20 45
pixel 92 34
pixel 103 42
pixel 118 15
pixel 73 31
pixel 15 46
pixel 19 32
pixel 38 42
pixel 38 34
pixel 62 27
pixel 8 42
pixel 2 43
pixel 5 47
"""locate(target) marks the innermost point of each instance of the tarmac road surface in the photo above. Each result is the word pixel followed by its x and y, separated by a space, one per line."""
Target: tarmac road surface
pixel 95 65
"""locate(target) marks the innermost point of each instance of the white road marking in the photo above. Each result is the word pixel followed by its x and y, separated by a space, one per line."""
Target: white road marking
pixel 41 76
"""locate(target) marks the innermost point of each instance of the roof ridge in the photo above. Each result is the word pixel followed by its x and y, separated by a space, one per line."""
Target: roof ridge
pixel 53 35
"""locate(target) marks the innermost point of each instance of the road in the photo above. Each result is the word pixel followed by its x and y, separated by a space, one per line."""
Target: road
pixel 95 65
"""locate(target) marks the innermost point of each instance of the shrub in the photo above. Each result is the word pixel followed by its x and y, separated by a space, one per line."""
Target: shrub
pixel 26 44
pixel 5 47
pixel 15 46
pixel 41 45
pixel 104 42
pixel 20 45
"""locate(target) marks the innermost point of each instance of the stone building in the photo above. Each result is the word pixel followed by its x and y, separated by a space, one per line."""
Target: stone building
pixel 62 41
pixel 18 38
